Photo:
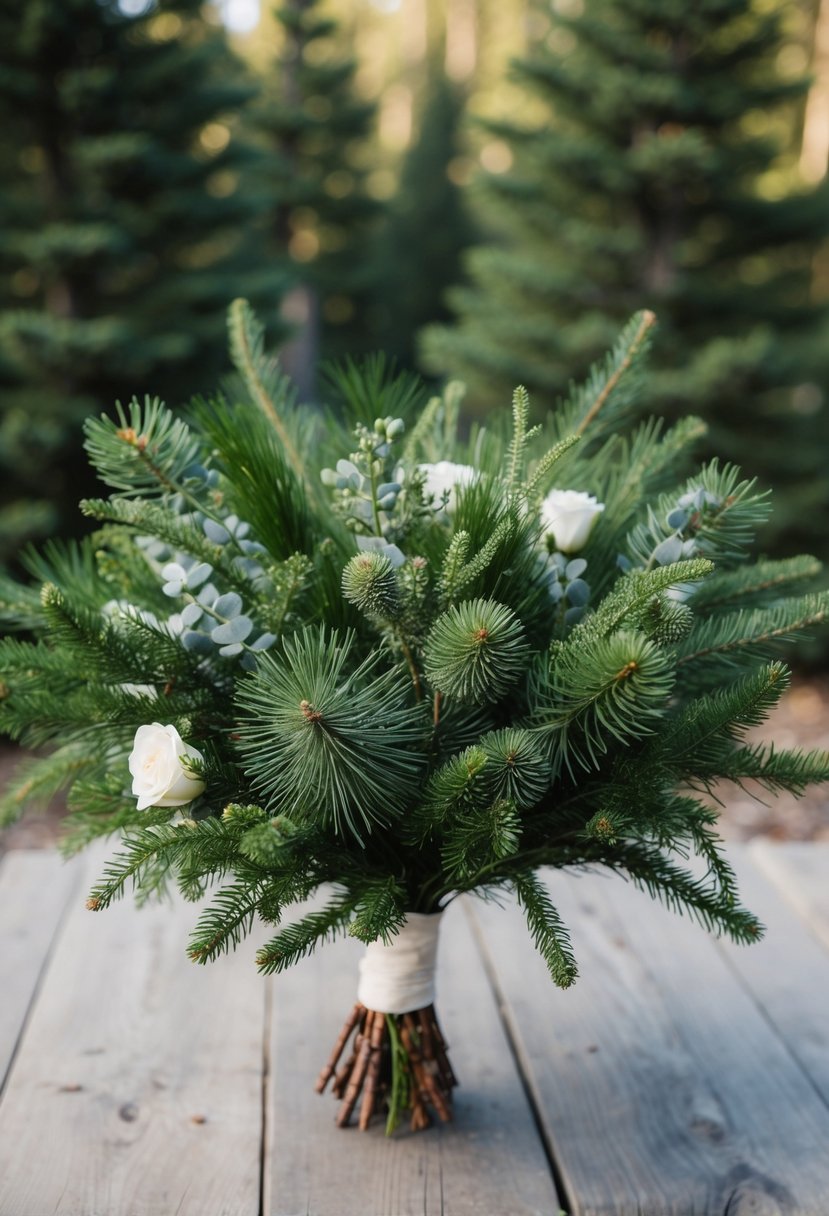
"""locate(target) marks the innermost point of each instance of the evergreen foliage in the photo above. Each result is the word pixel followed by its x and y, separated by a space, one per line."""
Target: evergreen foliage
pixel 427 226
pixel 420 698
pixel 313 128
pixel 650 173
pixel 126 221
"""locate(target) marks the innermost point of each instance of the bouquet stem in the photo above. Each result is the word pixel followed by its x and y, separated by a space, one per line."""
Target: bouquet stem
pixel 398 1062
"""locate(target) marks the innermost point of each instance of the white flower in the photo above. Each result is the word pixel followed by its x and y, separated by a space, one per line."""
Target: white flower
pixel 159 766
pixel 570 515
pixel 446 475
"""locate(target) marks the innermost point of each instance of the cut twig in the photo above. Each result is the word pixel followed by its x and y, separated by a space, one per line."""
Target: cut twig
pixel 367 1077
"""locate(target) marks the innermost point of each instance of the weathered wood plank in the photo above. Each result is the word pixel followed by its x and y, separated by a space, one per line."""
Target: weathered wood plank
pixel 787 973
pixel 661 1086
pixel 35 886
pixel 801 872
pixel 490 1161
pixel 137 1087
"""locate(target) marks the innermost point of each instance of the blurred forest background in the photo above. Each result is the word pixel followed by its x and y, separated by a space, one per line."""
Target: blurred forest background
pixel 484 189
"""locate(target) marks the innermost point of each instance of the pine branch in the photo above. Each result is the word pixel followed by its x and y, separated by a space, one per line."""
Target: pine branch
pixel 546 927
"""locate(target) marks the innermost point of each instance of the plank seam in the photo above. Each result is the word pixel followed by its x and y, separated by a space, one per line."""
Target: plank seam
pixel 767 1017
pixel 48 956
pixel 512 1035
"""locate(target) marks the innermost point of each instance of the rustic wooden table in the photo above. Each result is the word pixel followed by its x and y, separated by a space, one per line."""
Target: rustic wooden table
pixel 680 1076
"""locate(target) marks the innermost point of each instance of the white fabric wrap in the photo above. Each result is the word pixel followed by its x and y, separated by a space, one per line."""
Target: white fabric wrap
pixel 400 977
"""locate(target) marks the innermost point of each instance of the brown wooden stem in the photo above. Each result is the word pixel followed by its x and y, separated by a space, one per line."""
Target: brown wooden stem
pixel 367 1072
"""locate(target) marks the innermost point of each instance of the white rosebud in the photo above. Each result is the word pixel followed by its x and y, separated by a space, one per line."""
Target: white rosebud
pixel 570 515
pixel 161 775
pixel 443 476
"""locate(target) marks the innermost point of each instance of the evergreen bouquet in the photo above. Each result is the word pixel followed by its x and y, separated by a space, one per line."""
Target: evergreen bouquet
pixel 416 671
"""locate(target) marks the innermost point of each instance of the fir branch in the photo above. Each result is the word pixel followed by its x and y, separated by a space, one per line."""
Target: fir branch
pixel 39 778
pixel 454 564
pixel 761 581
pixel 139 852
pixel 302 938
pixel 651 871
pixel 613 691
pixel 476 566
pixel 477 839
pixel 268 389
pixel 226 921
pixel 546 465
pixel 630 346
pixel 546 927
pixel 790 769
pixel 634 590
pixel 380 912
pixel 730 635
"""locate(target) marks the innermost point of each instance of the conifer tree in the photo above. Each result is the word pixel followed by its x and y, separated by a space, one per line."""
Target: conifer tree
pixel 428 225
pixel 649 181
pixel 126 227
pixel 314 128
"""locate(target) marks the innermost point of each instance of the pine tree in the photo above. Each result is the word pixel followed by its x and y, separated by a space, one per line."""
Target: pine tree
pixel 653 177
pixel 314 129
pixel 126 224
pixel 428 225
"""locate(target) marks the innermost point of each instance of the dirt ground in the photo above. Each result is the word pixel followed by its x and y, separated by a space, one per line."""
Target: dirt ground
pixel 801 720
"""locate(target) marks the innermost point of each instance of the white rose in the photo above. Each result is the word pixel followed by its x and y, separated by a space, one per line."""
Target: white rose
pixel 159 766
pixel 446 475
pixel 570 515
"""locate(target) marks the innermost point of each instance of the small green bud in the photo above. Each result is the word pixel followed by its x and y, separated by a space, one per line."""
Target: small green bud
pixel 369 582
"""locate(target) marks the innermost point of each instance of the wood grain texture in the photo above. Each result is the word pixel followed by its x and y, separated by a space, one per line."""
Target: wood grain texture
pixel 661 1085
pixel 136 1090
pixel 489 1162
pixel 35 886
pixel 787 973
pixel 800 871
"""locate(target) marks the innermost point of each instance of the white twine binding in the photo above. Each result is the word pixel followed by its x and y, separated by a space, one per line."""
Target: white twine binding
pixel 400 977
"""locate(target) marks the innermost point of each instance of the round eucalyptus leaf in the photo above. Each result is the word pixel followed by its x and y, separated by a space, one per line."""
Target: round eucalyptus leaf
pixel 670 550
pixel 173 572
pixel 677 518
pixel 573 615
pixel 207 595
pixel 232 631
pixel 218 533
pixel 228 605
pixel 233 648
pixel 575 568
pixel 577 593
pixel 191 614
pixel 264 642
pixel 199 643
pixel 173 589
pixel 198 575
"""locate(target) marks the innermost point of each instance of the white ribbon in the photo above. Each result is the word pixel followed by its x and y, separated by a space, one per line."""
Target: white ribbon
pixel 400 977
